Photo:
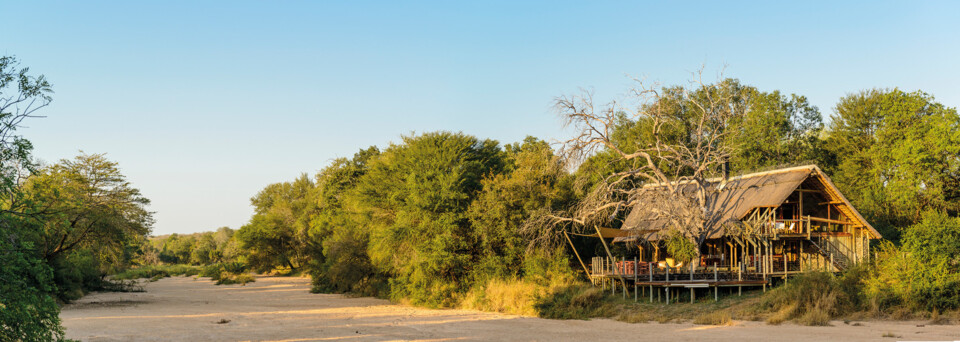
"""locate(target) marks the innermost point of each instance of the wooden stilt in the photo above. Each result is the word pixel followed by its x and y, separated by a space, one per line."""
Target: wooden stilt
pixel 576 253
pixel 636 268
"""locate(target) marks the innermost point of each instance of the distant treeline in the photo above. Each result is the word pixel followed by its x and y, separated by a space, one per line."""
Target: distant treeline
pixel 191 249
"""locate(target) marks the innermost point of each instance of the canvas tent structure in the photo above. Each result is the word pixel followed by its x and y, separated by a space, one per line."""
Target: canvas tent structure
pixel 758 227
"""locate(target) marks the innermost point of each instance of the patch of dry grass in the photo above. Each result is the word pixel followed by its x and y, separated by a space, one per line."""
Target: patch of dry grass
pixel 714 318
pixel 513 296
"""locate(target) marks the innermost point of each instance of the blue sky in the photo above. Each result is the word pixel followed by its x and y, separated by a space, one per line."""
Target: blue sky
pixel 205 103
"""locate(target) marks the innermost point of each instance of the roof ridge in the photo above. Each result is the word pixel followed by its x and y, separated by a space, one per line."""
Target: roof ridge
pixel 810 167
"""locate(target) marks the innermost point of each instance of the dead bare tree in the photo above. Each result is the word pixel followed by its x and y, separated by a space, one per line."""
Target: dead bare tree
pixel 668 174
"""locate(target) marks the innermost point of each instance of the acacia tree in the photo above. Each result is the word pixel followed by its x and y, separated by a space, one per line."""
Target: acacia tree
pixel 416 196
pixel 688 140
pixel 276 235
pixel 85 202
pixel 535 179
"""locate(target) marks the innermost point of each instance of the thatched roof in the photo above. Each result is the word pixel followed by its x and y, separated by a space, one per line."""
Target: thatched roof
pixel 732 201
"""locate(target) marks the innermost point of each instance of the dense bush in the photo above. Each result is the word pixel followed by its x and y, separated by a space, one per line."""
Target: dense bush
pixel 28 311
pixel 923 273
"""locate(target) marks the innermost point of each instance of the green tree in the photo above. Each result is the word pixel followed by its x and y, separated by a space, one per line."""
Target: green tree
pixel 83 217
pixel 417 194
pixel 28 312
pixel 277 234
pixel 344 265
pixel 897 156
pixel 535 180
pixel 85 202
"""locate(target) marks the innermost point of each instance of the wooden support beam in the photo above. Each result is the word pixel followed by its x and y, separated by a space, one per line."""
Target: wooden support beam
pixel 820 219
pixel 609 255
pixel 576 253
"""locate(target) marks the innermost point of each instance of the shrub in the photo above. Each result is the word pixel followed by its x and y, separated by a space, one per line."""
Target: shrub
pixel 227 278
pixel 924 273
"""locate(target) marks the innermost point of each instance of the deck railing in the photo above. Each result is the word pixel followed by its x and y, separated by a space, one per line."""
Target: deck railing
pixel 651 271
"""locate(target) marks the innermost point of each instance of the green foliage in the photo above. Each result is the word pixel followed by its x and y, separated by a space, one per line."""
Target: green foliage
pixel 227 278
pixel 28 312
pixel 897 156
pixel 775 129
pixel 923 274
pixel 277 235
pixel 535 181
pixel 416 196
pixel 21 95
pixel 681 248
pixel 344 265
pixel 193 249
pixel 227 273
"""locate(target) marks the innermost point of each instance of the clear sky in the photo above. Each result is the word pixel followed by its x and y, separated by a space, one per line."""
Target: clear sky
pixel 204 103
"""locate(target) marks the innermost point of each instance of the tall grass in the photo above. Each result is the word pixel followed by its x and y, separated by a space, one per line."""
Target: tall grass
pixel 810 299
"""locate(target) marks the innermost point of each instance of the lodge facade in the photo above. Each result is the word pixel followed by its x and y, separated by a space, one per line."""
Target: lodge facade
pixel 770 225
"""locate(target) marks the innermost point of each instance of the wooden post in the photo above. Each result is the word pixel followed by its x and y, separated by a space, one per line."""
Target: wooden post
pixel 668 293
pixel 636 269
pixel 692 295
pixel 576 253
pixel 784 260
pixel 715 277
pixel 650 269
pixel 624 261
pixel 716 296
pixel 739 278
pixel 607 249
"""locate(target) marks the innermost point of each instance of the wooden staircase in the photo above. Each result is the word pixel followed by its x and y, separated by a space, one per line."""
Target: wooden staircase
pixel 833 252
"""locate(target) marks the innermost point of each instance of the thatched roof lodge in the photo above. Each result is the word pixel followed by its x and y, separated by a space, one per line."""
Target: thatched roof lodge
pixel 760 226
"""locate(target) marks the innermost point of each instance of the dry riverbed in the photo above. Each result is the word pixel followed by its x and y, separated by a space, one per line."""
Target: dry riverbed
pixel 282 309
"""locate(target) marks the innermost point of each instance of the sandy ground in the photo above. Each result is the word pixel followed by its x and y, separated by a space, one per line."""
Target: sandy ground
pixel 282 309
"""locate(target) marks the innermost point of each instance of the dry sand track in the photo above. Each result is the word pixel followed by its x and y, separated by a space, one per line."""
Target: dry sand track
pixel 281 309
